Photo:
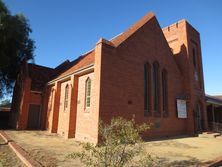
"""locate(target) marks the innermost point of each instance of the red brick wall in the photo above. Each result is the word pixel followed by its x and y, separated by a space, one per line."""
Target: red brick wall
pixel 182 38
pixel 87 117
pixel 35 98
pixel 28 97
pixel 122 80
pixel 24 105
pixel 64 112
pixel 118 83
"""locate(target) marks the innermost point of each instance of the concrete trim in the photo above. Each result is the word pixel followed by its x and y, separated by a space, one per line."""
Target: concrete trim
pixel 37 92
pixel 214 163
pixel 76 72
pixel 22 155
pixel 5 137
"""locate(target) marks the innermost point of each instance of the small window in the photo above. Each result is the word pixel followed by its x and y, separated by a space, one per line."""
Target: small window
pixel 66 96
pixel 88 93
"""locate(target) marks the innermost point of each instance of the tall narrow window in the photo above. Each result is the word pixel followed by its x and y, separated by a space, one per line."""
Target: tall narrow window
pixel 88 92
pixel 194 58
pixel 66 96
pixel 147 86
pixel 165 93
pixel 156 88
pixel 195 65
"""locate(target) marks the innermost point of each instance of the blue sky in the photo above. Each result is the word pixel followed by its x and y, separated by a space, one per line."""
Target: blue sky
pixel 65 29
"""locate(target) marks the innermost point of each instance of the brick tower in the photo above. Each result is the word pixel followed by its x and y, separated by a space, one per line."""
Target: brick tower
pixel 184 42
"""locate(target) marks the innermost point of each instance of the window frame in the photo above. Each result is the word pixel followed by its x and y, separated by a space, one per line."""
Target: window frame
pixel 147 90
pixel 165 92
pixel 88 88
pixel 156 89
pixel 66 97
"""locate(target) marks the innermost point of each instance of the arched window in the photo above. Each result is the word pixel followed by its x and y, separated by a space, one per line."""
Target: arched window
pixel 147 91
pixel 194 58
pixel 66 96
pixel 195 65
pixel 156 88
pixel 88 92
pixel 165 92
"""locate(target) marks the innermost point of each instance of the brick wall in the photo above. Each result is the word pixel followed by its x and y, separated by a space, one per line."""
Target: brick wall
pixel 118 83
pixel 64 112
pixel 49 115
pixel 122 80
pixel 182 38
pixel 87 117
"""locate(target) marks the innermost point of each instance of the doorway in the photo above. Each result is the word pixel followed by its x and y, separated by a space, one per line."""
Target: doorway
pixel 198 118
pixel 34 117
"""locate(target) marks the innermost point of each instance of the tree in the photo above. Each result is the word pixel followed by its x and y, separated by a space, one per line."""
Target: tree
pixel 16 46
pixel 120 146
pixel 6 102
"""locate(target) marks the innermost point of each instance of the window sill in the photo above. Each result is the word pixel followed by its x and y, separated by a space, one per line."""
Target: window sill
pixel 148 114
pixel 157 114
pixel 87 110
pixel 165 114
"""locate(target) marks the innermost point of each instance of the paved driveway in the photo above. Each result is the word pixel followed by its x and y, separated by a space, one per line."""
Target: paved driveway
pixel 50 150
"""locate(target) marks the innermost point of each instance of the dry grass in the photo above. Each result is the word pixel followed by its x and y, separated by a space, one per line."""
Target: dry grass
pixel 50 150
pixel 8 157
pixel 188 151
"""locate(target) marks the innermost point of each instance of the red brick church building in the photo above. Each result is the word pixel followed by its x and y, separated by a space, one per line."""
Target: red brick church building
pixel 153 74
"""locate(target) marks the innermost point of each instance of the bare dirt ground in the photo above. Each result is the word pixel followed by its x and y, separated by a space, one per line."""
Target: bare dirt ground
pixel 187 151
pixel 51 150
pixel 7 157
pixel 48 149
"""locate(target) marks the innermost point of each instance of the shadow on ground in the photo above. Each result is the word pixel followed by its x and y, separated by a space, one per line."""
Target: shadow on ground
pixel 180 163
pixel 4 119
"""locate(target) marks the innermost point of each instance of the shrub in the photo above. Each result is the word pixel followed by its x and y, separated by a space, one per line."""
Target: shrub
pixel 121 145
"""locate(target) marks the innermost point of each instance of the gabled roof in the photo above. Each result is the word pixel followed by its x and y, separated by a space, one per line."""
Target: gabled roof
pixel 130 31
pixel 88 58
pixel 78 63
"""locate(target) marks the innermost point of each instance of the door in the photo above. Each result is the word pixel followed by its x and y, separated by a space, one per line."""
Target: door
pixel 34 117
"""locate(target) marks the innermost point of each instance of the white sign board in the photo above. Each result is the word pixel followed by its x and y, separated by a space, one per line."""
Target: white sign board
pixel 181 108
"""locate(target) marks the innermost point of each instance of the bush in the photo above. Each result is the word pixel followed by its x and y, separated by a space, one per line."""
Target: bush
pixel 120 146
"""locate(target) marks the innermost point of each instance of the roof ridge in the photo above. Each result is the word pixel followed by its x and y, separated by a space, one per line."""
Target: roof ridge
pixel 32 64
pixel 132 29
